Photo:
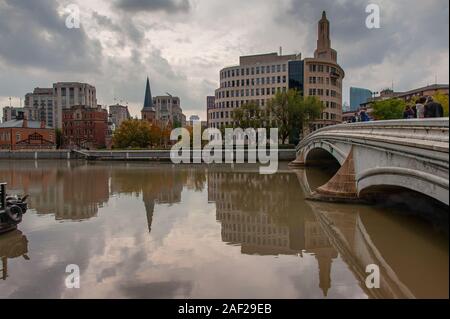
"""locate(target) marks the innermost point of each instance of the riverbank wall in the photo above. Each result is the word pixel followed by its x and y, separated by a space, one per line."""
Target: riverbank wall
pixel 142 155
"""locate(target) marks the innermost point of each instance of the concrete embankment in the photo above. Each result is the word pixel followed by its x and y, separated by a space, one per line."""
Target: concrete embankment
pixel 143 155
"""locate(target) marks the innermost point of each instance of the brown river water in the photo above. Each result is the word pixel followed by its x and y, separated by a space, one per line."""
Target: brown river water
pixel 140 230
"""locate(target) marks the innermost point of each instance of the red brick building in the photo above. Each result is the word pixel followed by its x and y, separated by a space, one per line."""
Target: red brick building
pixel 85 127
pixel 21 134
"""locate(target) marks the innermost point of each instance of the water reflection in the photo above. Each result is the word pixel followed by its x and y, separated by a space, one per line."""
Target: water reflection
pixel 12 245
pixel 263 216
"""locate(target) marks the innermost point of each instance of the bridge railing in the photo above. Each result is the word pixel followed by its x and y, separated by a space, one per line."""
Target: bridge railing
pixel 433 130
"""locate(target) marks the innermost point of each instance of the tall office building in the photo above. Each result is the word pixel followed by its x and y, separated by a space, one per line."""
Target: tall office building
pixel 47 104
pixel 258 78
pixel 40 106
pixel 358 96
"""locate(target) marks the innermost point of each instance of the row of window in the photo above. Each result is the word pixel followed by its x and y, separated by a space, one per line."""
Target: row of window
pixel 78 116
pixel 323 92
pixel 86 132
pixel 71 124
pixel 249 92
pixel 256 229
pixel 322 68
pixel 255 81
pixel 322 80
pixel 243 238
pixel 253 70
pixel 328 116
pixel 236 104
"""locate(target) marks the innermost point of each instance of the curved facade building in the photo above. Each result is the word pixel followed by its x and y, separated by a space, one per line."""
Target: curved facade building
pixel 257 78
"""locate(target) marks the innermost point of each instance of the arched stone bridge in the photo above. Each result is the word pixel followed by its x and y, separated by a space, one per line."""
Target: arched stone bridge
pixel 377 157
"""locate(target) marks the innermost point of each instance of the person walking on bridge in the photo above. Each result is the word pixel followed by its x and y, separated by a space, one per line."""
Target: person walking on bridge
pixel 433 109
pixel 408 113
pixel 420 107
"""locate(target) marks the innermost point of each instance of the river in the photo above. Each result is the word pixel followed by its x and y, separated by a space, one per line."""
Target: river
pixel 140 230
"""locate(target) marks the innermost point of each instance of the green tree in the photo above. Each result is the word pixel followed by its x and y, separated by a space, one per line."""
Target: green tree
pixel 443 100
pixel 133 134
pixel 289 111
pixel 249 116
pixel 391 109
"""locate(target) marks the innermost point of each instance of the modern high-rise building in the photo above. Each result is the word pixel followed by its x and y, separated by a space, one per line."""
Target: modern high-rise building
pixel 47 104
pixel 359 96
pixel 258 78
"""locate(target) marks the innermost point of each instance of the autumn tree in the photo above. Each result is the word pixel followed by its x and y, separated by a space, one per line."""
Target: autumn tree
pixel 133 134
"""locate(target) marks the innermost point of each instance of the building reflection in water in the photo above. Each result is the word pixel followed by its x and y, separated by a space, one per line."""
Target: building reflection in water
pixel 68 190
pixel 413 262
pixel 75 190
pixel 12 245
pixel 266 215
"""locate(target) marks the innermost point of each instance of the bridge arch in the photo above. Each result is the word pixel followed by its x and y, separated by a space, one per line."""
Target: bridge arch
pixel 413 154
pixel 385 177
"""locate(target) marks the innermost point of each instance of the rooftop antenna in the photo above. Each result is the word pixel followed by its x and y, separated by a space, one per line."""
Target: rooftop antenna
pixel 281 50
pixel 10 102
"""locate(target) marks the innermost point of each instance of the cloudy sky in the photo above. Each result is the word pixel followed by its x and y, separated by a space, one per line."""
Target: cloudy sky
pixel 182 44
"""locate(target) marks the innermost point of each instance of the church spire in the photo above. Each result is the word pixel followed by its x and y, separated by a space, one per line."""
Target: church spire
pixel 148 101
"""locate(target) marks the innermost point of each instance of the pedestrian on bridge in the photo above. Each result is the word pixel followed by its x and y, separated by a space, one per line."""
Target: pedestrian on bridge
pixel 433 109
pixel 420 107
pixel 408 113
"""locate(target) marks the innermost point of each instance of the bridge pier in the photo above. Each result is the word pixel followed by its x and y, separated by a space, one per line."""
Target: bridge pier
pixel 342 186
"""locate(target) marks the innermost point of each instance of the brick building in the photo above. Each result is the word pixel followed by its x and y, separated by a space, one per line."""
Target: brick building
pixel 85 127
pixel 21 134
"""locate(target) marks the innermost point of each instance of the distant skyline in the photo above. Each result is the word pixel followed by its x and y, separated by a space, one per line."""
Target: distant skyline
pixel 182 44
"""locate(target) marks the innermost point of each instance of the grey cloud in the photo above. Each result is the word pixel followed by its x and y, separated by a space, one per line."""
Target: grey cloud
pixel 105 22
pixel 169 6
pixel 127 29
pixel 404 28
pixel 33 34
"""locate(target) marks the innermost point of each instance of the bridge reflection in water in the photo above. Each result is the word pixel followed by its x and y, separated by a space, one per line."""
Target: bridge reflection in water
pixel 265 215
pixel 276 222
